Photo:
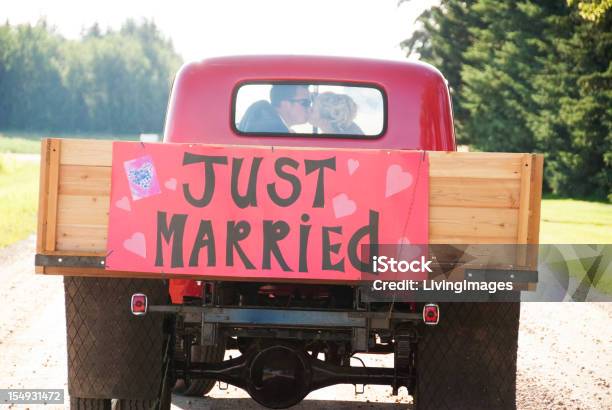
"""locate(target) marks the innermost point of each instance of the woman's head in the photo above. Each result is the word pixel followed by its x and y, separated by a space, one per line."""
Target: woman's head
pixel 333 113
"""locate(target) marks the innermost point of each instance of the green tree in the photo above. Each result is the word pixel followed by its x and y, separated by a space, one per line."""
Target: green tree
pixel 579 147
pixel 530 76
pixel 32 91
pixel 441 39
pixel 113 81
pixel 508 53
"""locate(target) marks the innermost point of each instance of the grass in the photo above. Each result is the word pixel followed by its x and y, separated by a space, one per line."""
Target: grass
pixel 20 142
pixel 19 181
pixel 18 199
pixel 572 221
pixel 575 221
pixel 19 145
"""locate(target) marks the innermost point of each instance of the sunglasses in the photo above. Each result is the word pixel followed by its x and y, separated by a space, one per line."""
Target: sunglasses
pixel 304 102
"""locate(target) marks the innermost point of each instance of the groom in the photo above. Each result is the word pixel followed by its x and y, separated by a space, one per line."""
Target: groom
pixel 289 105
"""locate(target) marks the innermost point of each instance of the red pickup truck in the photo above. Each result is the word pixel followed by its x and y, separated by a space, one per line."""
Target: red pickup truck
pixel 294 335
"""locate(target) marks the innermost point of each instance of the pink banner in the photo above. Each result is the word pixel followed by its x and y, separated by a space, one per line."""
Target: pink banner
pixel 244 212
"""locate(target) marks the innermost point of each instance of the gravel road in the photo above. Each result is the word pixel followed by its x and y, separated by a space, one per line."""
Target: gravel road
pixel 565 350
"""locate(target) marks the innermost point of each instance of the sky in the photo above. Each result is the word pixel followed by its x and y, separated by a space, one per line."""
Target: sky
pixel 360 28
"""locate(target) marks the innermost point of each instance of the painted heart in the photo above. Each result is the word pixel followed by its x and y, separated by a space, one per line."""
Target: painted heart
pixel 343 206
pixel 142 176
pixel 353 164
pixel 136 244
pixel 406 251
pixel 124 203
pixel 171 184
pixel 397 180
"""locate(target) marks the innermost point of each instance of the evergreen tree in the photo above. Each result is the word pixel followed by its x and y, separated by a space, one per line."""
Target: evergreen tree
pixel 530 76
pixel 580 153
pixel 441 40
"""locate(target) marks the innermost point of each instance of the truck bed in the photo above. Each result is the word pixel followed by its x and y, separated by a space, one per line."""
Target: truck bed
pixel 474 198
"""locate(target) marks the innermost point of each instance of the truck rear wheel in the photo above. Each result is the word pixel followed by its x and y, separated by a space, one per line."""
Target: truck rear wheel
pixel 468 361
pixel 79 403
pixel 200 387
pixel 124 404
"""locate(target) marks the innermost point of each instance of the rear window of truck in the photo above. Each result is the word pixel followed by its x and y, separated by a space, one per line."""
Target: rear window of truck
pixel 308 109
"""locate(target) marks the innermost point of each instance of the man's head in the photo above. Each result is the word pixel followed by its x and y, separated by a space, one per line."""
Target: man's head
pixel 292 102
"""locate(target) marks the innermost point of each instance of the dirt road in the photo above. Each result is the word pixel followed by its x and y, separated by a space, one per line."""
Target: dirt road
pixel 565 350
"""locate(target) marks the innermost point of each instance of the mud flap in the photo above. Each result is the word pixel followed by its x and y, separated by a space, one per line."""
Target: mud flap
pixel 468 361
pixel 111 353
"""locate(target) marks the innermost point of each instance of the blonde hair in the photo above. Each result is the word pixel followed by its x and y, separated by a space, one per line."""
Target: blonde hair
pixel 338 109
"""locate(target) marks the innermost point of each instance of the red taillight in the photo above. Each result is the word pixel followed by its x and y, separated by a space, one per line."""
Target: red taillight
pixel 431 314
pixel 139 304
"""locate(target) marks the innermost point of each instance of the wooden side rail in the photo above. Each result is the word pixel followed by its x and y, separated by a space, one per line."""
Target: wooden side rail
pixel 474 198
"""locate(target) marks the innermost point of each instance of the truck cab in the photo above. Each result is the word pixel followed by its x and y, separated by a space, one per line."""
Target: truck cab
pixel 400 105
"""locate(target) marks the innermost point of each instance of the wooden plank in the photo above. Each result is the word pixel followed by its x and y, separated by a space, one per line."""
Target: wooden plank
pixel 477 222
pixel 537 172
pixel 87 152
pixel 475 165
pixel 474 192
pixel 84 210
pixel 85 180
pixel 41 233
pixel 445 239
pixel 523 217
pixel 533 235
pixel 82 238
pixel 52 193
pixel 442 164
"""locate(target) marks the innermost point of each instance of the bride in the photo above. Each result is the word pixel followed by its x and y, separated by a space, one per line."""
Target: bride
pixel 334 114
